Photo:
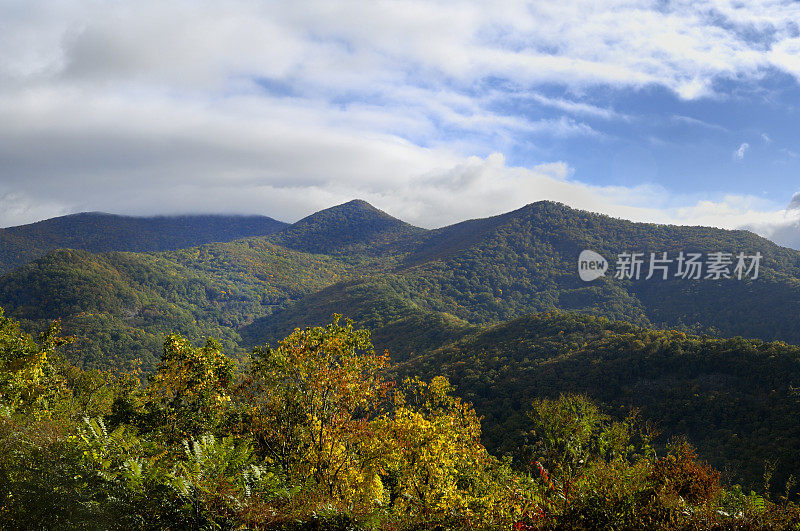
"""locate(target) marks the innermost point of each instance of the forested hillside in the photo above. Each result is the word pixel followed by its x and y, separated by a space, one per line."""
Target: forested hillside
pixel 736 399
pixel 351 229
pixel 98 232
pixel 489 270
pixel 120 305
pixel 478 272
pixel 428 297
pixel 389 276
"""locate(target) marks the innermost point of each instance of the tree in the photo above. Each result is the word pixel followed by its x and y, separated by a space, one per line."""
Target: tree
pixel 438 467
pixel 29 382
pixel 311 402
pixel 188 394
pixel 571 433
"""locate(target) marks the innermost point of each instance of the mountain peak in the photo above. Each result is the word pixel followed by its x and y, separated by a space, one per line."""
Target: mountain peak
pixel 545 205
pixel 354 225
pixel 357 203
pixel 354 207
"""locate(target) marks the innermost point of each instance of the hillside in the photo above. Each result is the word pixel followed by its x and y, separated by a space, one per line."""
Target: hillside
pixel 99 232
pixel 383 305
pixel 386 274
pixel 490 270
pixel 735 399
pixel 120 305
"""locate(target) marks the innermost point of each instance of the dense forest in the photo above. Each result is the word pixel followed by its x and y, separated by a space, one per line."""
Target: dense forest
pixel 314 434
pixel 359 261
pixel 736 399
pixel 495 305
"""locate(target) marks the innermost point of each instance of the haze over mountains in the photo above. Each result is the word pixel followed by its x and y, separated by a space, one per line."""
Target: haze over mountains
pixel 429 296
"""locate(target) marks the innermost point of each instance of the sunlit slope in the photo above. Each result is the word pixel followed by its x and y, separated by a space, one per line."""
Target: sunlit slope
pixel 137 297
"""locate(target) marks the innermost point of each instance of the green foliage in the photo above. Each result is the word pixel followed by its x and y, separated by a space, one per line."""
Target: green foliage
pixel 438 470
pixel 29 383
pixel 428 296
pixel 734 398
pixel 189 393
pixel 599 474
pixel 570 431
pixel 43 481
pixel 309 403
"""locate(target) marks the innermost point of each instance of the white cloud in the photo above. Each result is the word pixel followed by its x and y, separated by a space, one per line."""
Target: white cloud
pixel 684 46
pixel 283 108
pixel 695 122
pixel 578 108
pixel 741 150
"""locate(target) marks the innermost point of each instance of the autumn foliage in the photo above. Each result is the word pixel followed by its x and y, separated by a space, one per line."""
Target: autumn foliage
pixel 312 433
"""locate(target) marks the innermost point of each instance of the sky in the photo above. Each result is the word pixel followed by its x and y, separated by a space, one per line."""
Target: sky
pixel 436 112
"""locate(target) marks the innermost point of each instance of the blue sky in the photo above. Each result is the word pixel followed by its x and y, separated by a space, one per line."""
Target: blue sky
pixel 685 146
pixel 688 146
pixel 671 112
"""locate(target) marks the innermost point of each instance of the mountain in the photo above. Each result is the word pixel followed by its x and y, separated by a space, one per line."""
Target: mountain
pixel 382 305
pixel 735 399
pixel 353 228
pixel 99 232
pixel 386 274
pixel 383 272
pixel 490 270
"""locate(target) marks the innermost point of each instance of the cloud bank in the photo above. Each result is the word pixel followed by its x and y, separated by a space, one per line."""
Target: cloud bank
pixel 283 108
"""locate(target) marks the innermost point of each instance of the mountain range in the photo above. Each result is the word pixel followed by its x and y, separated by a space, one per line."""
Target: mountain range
pixel 494 303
